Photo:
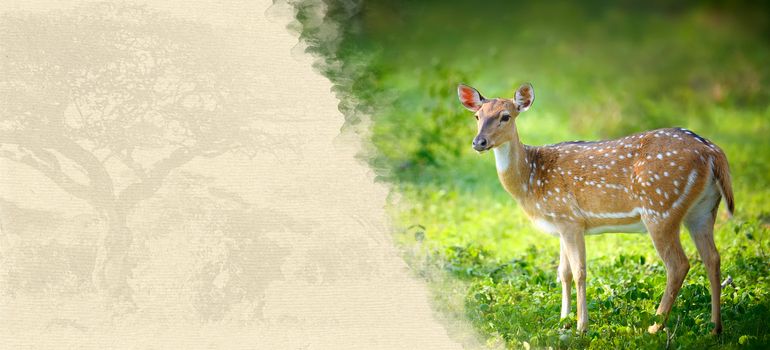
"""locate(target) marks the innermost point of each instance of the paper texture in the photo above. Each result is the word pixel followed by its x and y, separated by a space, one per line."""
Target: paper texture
pixel 173 175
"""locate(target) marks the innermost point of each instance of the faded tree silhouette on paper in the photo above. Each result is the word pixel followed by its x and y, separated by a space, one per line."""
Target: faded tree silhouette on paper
pixel 202 253
pixel 217 251
pixel 107 100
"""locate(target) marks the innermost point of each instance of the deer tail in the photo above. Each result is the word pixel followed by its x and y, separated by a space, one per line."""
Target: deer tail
pixel 722 175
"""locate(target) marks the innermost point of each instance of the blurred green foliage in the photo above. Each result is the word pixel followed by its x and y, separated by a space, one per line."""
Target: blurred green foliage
pixel 600 70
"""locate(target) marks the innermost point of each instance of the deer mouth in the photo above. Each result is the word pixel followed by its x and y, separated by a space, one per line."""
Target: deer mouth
pixel 482 149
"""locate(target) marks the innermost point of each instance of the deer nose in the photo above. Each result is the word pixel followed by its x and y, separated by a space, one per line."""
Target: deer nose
pixel 480 143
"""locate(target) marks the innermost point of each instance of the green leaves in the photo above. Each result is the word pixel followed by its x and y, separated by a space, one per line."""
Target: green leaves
pixel 518 299
pixel 476 235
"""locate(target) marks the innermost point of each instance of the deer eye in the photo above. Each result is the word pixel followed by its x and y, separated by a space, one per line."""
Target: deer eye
pixel 505 118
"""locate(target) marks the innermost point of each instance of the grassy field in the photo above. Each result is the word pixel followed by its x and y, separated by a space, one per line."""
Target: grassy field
pixel 598 72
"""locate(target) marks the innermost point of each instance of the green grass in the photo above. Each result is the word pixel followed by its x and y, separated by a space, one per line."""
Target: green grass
pixel 598 71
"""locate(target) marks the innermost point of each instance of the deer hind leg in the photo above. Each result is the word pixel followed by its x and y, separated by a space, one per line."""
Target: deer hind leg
pixel 700 222
pixel 665 237
pixel 565 276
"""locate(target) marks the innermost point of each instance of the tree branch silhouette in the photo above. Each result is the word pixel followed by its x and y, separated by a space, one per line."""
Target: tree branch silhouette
pixel 113 89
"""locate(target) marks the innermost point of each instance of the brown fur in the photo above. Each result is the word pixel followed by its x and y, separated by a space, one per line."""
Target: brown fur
pixel 651 181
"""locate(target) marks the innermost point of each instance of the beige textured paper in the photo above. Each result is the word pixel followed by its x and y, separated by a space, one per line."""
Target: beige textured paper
pixel 126 152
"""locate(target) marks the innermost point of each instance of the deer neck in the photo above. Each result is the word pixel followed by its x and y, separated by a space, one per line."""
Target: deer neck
pixel 513 166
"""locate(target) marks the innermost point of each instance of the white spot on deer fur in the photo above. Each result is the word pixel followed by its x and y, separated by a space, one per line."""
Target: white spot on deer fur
pixel 687 188
pixel 660 156
pixel 668 154
pixel 665 173
pixel 657 190
pixel 502 157
pixel 672 164
pixel 617 215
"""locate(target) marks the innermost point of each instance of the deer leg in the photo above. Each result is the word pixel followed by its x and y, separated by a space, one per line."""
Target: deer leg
pixel 666 241
pixel 565 276
pixel 576 256
pixel 701 227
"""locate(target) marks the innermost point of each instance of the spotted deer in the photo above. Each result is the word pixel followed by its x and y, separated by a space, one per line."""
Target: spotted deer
pixel 652 182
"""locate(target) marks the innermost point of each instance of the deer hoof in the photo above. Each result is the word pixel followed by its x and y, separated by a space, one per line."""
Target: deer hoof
pixel 654 328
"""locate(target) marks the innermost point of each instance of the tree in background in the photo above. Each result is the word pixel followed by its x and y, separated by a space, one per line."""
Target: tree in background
pixel 107 100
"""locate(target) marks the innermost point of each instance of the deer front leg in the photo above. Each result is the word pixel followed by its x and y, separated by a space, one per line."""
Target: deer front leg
pixel 565 276
pixel 575 247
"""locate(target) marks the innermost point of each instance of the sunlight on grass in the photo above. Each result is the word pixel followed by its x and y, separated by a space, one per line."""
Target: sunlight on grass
pixel 599 72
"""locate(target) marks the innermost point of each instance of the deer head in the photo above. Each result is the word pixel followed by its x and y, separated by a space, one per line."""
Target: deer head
pixel 495 117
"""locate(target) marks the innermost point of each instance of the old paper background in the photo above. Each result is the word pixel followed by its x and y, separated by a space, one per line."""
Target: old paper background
pixel 173 176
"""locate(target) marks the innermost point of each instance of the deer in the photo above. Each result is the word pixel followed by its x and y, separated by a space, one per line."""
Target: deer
pixel 649 182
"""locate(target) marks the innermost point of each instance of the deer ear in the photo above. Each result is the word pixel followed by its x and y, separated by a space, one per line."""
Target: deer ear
pixel 469 97
pixel 524 97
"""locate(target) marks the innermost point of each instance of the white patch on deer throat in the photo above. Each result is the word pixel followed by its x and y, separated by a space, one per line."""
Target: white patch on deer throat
pixel 502 157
